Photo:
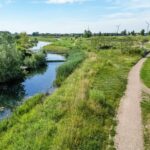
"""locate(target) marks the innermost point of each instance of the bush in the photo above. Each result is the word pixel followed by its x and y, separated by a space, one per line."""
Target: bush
pixel 35 60
pixel 10 58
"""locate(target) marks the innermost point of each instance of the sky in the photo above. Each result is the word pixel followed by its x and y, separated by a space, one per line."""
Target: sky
pixel 73 16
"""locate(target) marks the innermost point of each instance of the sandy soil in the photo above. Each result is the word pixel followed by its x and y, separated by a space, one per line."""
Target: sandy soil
pixel 129 130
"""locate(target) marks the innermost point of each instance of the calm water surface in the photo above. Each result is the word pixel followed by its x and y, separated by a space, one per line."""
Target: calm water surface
pixel 41 81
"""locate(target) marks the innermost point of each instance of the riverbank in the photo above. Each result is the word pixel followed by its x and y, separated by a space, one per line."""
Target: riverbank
pixel 41 80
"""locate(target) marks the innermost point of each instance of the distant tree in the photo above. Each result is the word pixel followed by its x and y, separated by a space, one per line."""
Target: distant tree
pixel 124 32
pixel 133 33
pixel 87 33
pixel 24 43
pixel 35 34
pixel 129 33
pixel 142 32
pixel 99 33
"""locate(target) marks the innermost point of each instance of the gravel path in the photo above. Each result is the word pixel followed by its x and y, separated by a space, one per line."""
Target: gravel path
pixel 129 130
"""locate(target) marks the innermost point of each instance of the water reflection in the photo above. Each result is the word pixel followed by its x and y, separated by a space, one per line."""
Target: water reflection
pixel 11 94
pixel 39 81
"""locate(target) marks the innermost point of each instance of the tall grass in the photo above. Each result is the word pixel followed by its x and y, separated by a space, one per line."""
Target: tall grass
pixel 73 61
pixel 145 73
pixel 80 114
pixel 20 111
pixel 146 120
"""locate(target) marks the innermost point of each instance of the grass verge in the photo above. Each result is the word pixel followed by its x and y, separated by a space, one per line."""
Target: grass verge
pixel 73 61
pixel 80 114
pixel 145 73
pixel 146 120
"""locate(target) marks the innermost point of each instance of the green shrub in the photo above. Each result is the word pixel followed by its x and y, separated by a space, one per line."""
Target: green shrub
pixel 35 60
pixel 145 104
pixel 10 58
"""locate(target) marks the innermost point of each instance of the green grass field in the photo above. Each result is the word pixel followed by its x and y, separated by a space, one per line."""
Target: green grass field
pixel 81 113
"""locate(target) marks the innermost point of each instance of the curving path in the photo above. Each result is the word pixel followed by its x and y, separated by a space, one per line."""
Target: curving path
pixel 129 130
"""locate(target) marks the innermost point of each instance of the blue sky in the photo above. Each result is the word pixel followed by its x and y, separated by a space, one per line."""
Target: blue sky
pixel 67 16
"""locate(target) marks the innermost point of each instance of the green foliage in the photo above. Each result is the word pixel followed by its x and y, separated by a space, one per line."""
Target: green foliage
pixel 55 49
pixel 35 60
pixel 81 114
pixel 133 33
pixel 10 58
pixel 146 120
pixel 74 59
pixel 124 32
pixel 15 53
pixel 20 111
pixel 97 95
pixel 62 45
pixel 87 33
pixel 30 60
pixel 145 73
pixel 23 42
pixel 142 32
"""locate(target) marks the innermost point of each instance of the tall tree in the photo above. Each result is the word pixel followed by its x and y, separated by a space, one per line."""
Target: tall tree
pixel 133 33
pixel 87 33
pixel 124 32
pixel 142 32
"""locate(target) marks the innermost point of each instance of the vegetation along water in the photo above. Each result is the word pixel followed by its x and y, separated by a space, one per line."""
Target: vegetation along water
pixel 39 80
pixel 81 113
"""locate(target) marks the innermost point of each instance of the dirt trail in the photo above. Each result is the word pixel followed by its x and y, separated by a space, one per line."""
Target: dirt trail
pixel 129 130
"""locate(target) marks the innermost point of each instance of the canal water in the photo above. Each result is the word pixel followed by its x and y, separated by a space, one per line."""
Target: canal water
pixel 41 81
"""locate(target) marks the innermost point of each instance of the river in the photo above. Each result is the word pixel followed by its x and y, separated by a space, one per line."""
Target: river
pixel 41 81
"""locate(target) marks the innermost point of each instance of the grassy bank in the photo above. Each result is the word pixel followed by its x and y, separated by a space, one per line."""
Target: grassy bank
pixel 145 73
pixel 73 60
pixel 80 114
pixel 63 45
pixel 146 120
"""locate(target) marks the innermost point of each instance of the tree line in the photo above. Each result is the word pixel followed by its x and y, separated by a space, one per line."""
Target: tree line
pixel 88 33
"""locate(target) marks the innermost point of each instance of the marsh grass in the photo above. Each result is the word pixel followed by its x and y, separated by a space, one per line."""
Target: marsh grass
pixel 146 119
pixel 73 61
pixel 145 73
pixel 80 114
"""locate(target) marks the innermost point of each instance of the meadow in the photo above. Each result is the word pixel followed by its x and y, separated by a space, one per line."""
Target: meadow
pixel 81 114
